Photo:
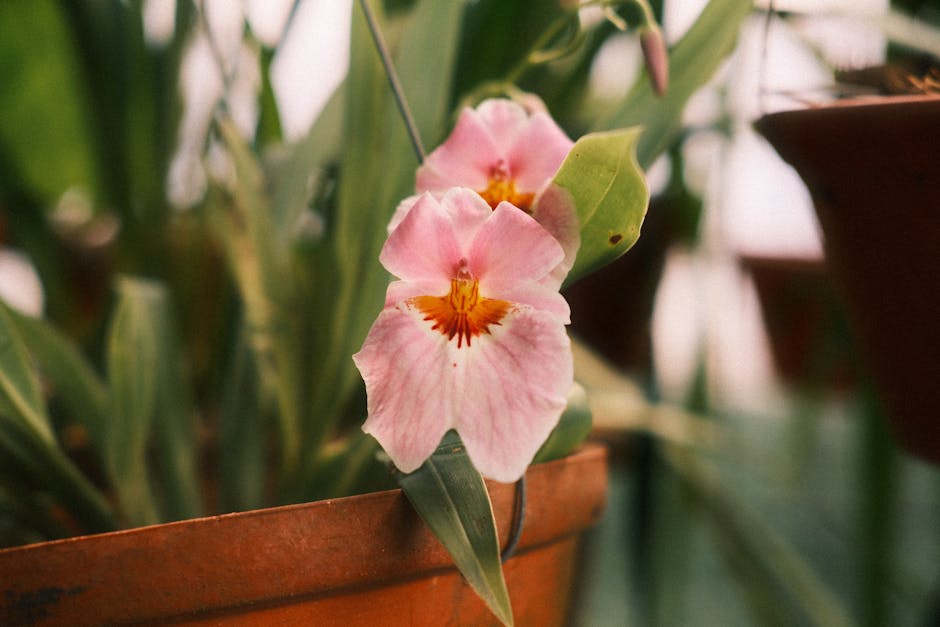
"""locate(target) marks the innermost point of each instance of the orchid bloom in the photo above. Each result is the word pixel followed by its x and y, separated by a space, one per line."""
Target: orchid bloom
pixel 508 155
pixel 470 338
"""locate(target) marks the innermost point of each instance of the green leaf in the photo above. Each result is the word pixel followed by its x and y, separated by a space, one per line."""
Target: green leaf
pixel 131 362
pixel 600 176
pixel 20 399
pixel 173 427
pixel 49 472
pixel 572 428
pixel 71 376
pixel 770 570
pixel 352 465
pixel 261 266
pixel 291 179
pixel 40 97
pixel 497 35
pixel 148 401
pixel 241 433
pixel 692 62
pixel 26 438
pixel 451 497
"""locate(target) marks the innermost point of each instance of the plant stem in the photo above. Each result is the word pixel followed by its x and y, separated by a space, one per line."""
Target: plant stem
pixel 547 35
pixel 393 82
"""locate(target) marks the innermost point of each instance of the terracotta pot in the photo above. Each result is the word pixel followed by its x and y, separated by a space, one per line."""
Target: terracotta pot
pixel 873 170
pixel 805 321
pixel 361 560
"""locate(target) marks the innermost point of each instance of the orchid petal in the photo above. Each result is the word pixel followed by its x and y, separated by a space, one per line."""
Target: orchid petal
pixel 512 248
pixel 424 245
pixel 555 210
pixel 402 210
pixel 400 291
pixel 543 296
pixel 538 152
pixel 402 362
pixel 468 211
pixel 464 159
pixel 513 392
pixel 504 393
pixel 504 120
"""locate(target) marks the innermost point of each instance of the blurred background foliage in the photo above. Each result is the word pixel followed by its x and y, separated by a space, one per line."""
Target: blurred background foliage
pixel 248 298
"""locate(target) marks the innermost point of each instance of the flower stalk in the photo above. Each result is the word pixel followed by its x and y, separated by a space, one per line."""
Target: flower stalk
pixel 393 81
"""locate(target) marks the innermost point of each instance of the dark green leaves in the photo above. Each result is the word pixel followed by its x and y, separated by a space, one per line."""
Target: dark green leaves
pixel 28 447
pixel 449 494
pixel 20 399
pixel 148 404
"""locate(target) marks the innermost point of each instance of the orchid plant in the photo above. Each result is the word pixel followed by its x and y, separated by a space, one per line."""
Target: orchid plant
pixel 466 363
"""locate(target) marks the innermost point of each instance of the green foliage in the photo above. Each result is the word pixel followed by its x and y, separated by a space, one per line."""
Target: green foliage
pixel 28 448
pixel 608 190
pixel 449 494
pixel 148 404
pixel 82 393
pixel 692 62
pixel 20 399
pixel 50 145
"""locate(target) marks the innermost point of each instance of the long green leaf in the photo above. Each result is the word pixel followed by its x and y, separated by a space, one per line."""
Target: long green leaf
pixel 692 62
pixel 451 497
pixel 291 179
pixel 20 398
pixel 72 377
pixel 174 426
pixel 261 266
pixel 600 176
pixel 132 364
pixel 497 35
pixel 149 405
pixel 764 562
pixel 26 436
pixel 877 494
pixel 241 433
pixel 43 130
pixel 46 467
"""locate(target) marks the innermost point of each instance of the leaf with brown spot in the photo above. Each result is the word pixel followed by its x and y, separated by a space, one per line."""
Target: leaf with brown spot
pixel 602 177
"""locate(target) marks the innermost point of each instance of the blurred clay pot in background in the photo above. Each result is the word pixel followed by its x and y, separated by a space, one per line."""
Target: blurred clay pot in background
pixel 805 321
pixel 873 169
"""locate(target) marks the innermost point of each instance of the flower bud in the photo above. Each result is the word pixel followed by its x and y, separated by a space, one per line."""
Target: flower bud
pixel 656 58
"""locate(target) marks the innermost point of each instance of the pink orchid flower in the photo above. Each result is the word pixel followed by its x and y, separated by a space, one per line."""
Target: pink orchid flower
pixel 505 154
pixel 469 338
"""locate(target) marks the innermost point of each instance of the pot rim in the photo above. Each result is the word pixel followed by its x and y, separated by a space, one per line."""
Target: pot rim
pixel 262 557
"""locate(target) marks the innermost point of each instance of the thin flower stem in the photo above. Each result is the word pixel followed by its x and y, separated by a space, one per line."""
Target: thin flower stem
pixel 393 82
pixel 547 35
pixel 518 520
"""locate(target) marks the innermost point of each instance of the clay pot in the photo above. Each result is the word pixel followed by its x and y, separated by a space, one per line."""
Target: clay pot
pixel 361 560
pixel 805 322
pixel 873 169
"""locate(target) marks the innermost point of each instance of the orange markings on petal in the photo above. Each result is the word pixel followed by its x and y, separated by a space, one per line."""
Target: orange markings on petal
pixel 501 188
pixel 462 313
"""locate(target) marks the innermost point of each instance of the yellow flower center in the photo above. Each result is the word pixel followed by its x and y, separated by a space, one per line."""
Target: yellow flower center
pixel 462 313
pixel 501 187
